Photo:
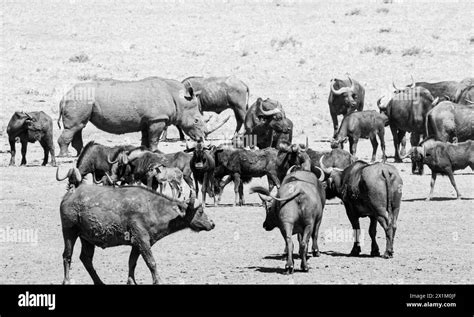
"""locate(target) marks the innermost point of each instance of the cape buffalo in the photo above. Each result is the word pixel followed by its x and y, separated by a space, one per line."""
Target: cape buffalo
pixel 31 127
pixel 443 90
pixel 267 121
pixel 465 92
pixel 443 158
pixel 406 111
pixel 296 209
pixel 345 96
pixel 362 124
pixel 368 190
pixel 105 216
pixel 450 122
pixel 147 105
pixel 202 165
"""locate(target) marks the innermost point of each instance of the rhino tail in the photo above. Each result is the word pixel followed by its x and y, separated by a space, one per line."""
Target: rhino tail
pixel 387 177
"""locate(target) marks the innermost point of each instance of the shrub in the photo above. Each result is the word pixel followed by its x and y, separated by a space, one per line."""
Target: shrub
pixel 354 12
pixel 377 50
pixel 79 58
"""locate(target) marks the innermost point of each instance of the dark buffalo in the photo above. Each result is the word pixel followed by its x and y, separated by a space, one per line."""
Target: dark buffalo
pixel 368 190
pixel 105 216
pixel 443 90
pixel 296 209
pixel 73 176
pixel 266 121
pixel 465 91
pixel 362 124
pixel 406 111
pixel 346 96
pixel 443 158
pixel 450 122
pixel 31 127
pixel 147 105
pixel 202 165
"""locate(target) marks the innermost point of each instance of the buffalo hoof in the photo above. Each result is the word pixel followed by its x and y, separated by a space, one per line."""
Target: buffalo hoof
pixel 355 250
pixel 428 199
pixel 289 270
pixel 459 197
pixel 304 268
pixel 23 164
pixel 316 253
pixel 131 281
pixel 64 154
pixel 388 255
pixel 375 253
pixel 11 164
pixel 398 160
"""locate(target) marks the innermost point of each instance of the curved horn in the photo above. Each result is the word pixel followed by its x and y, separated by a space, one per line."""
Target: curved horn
pixel 78 174
pixel 469 101
pixel 209 131
pixel 268 112
pixel 290 170
pixel 338 91
pixel 264 197
pixel 108 178
pixel 110 161
pixel 395 87
pixel 136 154
pixel 63 178
pixel 96 181
pixel 352 83
pixel 412 82
pixel 28 115
pixel 322 176
pixel 324 168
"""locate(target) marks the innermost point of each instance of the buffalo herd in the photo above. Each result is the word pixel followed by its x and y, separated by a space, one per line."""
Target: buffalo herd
pixel 125 205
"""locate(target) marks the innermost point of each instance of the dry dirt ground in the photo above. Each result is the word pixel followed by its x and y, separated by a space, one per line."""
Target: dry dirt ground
pixel 285 50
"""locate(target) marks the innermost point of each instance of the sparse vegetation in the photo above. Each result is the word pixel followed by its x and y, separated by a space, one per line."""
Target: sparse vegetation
pixel 354 12
pixel 471 40
pixel 302 61
pixel 79 58
pixel 280 44
pixel 377 50
pixel 382 10
pixel 412 51
pixel 385 30
pixel 244 53
pixel 85 77
pixel 31 91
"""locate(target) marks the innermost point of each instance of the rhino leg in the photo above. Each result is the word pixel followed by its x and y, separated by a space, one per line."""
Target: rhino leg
pixel 154 132
pixel 87 253
pixel 67 137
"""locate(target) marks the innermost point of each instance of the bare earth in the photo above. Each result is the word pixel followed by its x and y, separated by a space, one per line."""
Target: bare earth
pixel 284 50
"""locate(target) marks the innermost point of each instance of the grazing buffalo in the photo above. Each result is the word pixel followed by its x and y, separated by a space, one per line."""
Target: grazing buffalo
pixel 107 216
pixel 362 124
pixel 406 111
pixel 292 157
pixel 73 176
pixel 31 127
pixel 346 96
pixel 147 105
pixel 296 209
pixel 266 121
pixel 443 158
pixel 443 90
pixel 465 92
pixel 368 190
pixel 450 122
pixel 203 165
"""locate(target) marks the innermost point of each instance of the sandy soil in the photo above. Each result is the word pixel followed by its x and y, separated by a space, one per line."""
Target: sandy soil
pixel 284 50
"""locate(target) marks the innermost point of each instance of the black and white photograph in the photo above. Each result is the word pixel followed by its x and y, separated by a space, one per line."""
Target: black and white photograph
pixel 216 143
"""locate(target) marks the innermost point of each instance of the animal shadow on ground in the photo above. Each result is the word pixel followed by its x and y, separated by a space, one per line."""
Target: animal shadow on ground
pixel 231 205
pixel 335 253
pixel 437 199
pixel 272 270
pixel 283 256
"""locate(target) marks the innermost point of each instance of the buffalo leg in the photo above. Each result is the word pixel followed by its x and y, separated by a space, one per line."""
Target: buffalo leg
pixel 222 185
pixel 356 227
pixel 145 138
pixel 432 183
pixel 77 143
pixel 132 263
pixel 12 151
pixel 287 232
pixel 373 140
pixel 334 123
pixel 87 253
pixel 304 247
pixel 241 193
pixel 396 143
pixel 154 132
pixel 196 184
pixel 189 181
pixel 24 147
pixel 204 188
pixel 373 232
pixel 69 241
pixel 382 144
pixel 451 179
pixel 181 134
pixel 315 247
pixel 353 145
pixel 48 149
pixel 275 180
pixel 145 250
pixel 387 226
pixel 239 118
pixel 236 189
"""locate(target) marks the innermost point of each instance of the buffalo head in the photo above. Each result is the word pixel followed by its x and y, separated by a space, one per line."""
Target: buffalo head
pixel 417 155
pixel 275 118
pixel 348 94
